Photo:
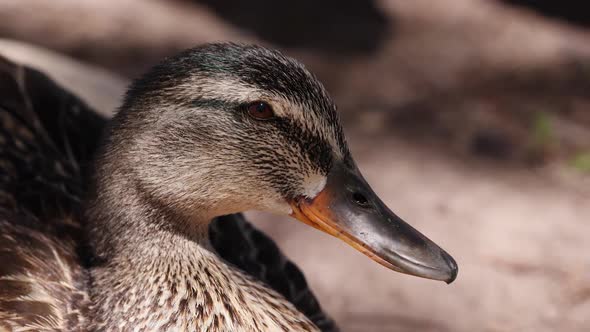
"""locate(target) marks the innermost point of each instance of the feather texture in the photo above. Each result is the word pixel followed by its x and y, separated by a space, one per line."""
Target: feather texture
pixel 42 280
pixel 47 139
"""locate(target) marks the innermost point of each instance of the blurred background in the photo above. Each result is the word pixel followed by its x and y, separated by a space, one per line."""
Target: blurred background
pixel 470 118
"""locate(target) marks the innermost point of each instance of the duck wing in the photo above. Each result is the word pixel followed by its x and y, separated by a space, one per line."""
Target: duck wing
pixel 42 279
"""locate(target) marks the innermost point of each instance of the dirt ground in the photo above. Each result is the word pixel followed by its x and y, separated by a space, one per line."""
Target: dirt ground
pixel 473 74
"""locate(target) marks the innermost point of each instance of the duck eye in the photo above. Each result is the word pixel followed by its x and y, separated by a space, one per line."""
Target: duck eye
pixel 260 110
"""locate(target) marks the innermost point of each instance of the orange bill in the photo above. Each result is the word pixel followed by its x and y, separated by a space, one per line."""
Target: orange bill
pixel 347 208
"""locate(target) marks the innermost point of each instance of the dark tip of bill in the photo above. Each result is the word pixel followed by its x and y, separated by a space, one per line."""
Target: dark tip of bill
pixel 454 270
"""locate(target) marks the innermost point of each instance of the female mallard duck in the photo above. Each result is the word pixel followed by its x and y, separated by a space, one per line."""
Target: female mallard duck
pixel 61 130
pixel 216 130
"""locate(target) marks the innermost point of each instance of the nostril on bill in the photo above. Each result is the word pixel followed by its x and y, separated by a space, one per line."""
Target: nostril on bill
pixel 360 199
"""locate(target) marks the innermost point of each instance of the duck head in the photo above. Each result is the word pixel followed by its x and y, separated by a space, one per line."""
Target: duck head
pixel 225 128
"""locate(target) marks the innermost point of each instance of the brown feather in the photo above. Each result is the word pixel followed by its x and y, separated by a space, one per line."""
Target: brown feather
pixel 47 137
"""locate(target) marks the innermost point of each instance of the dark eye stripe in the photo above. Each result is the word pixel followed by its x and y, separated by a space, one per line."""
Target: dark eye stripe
pixel 317 149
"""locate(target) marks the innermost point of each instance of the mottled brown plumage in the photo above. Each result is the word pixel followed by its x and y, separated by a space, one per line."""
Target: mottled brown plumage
pixel 183 150
pixel 42 281
pixel 44 253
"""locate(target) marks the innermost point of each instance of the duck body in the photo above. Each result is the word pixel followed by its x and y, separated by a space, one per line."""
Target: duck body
pixel 189 289
pixel 44 287
pixel 43 281
pixel 47 138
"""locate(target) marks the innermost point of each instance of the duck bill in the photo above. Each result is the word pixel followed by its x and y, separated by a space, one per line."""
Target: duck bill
pixel 348 209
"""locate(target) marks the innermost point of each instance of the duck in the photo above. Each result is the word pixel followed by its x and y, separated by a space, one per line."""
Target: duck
pixel 62 130
pixel 216 130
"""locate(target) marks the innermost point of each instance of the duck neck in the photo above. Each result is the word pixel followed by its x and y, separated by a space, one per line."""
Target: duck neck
pixel 153 277
pixel 123 220
pixel 144 255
